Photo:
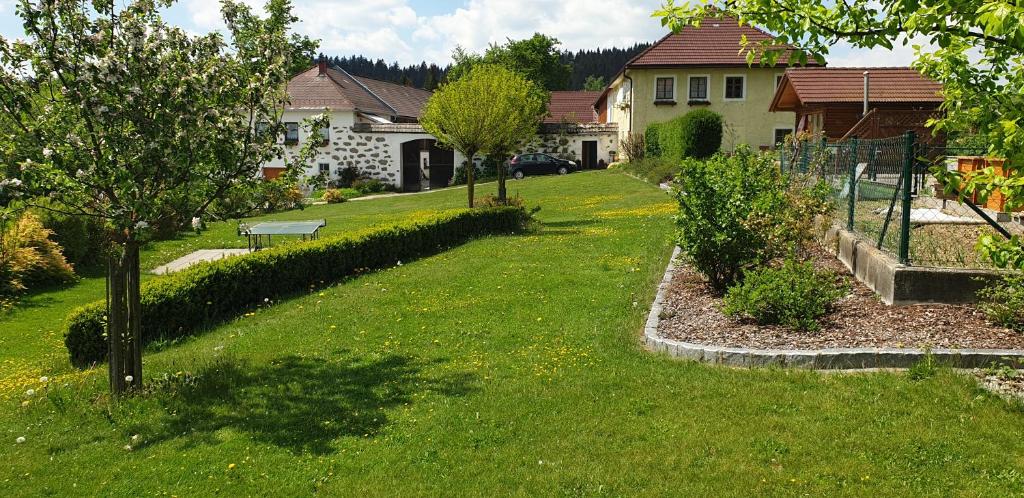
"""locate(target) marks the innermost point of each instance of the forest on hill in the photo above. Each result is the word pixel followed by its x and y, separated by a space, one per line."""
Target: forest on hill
pixel 602 63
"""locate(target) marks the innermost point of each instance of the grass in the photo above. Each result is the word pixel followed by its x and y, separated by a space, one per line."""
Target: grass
pixel 508 365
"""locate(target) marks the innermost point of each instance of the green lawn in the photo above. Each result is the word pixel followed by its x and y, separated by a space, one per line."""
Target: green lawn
pixel 508 365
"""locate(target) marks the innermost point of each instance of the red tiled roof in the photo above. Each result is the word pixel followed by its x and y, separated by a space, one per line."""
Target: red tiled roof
pixel 408 101
pixel 338 90
pixel 717 42
pixel 573 107
pixel 820 85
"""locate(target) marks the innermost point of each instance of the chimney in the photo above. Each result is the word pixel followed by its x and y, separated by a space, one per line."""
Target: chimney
pixel 321 66
pixel 867 89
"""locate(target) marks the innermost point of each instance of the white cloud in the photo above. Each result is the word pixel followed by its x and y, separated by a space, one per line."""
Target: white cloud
pixel 843 55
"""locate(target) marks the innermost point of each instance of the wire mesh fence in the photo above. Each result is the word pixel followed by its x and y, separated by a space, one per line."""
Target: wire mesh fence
pixel 886 191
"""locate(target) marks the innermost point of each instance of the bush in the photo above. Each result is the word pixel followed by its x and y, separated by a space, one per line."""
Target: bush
pixel 1003 301
pixel 83 239
pixel 346 177
pixel 28 258
pixel 486 171
pixel 652 140
pixel 703 134
pixel 633 147
pixel 368 186
pixel 180 304
pixel 697 134
pixel 333 196
pixel 728 209
pixel 652 169
pixel 794 294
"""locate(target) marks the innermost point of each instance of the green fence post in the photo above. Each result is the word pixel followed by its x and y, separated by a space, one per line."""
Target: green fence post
pixel 908 180
pixel 852 185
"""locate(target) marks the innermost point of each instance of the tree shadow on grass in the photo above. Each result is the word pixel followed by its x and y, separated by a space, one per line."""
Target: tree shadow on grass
pixel 299 404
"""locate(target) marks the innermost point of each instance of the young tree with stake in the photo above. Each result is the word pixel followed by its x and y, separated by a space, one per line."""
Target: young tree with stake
pixel 127 119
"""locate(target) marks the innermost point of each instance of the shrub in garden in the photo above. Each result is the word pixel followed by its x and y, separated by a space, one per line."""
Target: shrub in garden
pixel 794 294
pixel 83 239
pixel 184 302
pixel 333 196
pixel 29 258
pixel 696 134
pixel 346 177
pixel 652 140
pixel 634 147
pixel 1003 301
pixel 728 213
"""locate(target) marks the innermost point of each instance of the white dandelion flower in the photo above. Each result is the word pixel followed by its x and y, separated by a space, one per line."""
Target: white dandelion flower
pixel 128 378
pixel 21 439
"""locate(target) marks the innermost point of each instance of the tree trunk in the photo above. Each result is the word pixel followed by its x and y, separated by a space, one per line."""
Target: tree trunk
pixel 470 177
pixel 124 324
pixel 502 174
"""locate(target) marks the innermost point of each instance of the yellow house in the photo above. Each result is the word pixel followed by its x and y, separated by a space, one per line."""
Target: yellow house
pixel 699 68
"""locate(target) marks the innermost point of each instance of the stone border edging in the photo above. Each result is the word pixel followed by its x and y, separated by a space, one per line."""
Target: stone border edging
pixel 818 359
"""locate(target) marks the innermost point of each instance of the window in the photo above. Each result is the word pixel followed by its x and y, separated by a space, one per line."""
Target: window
pixel 735 87
pixel 780 135
pixel 325 134
pixel 665 88
pixel 778 80
pixel 698 88
pixel 262 127
pixel 325 169
pixel 291 133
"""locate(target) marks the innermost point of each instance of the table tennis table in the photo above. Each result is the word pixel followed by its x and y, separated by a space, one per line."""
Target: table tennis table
pixel 307 229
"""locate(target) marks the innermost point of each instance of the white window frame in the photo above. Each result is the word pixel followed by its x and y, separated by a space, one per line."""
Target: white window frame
pixel 725 87
pixel 776 129
pixel 707 89
pixel 675 89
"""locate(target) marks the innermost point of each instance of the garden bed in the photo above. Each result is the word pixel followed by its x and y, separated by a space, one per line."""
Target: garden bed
pixel 692 314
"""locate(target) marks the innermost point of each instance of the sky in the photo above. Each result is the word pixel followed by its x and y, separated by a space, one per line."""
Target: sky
pixel 410 31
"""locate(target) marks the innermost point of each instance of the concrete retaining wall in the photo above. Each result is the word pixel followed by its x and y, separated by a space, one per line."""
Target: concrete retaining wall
pixel 900 284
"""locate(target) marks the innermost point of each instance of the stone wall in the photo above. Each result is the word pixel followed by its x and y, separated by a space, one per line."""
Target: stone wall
pixel 567 142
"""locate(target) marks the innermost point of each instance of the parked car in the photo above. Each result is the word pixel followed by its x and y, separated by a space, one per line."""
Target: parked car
pixel 538 164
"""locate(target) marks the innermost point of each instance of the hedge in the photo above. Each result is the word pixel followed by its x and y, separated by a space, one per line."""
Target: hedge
pixel 181 304
pixel 696 134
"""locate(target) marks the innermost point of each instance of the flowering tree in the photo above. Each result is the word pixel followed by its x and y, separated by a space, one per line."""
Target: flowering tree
pixel 972 47
pixel 127 119
pixel 491 110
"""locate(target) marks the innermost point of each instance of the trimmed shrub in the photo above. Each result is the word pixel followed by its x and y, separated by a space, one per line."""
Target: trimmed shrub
pixel 181 304
pixel 1003 301
pixel 697 134
pixel 652 140
pixel 703 134
pixel 333 196
pixel 794 294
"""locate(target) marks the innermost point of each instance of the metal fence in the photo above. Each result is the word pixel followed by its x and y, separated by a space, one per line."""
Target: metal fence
pixel 887 193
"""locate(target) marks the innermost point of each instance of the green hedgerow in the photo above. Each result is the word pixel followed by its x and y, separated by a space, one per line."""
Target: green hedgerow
pixel 182 303
pixel 794 294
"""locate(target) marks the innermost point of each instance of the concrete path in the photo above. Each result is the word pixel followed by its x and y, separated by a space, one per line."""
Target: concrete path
pixel 197 257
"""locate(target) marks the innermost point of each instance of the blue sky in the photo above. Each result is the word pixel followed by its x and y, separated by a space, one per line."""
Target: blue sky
pixel 414 30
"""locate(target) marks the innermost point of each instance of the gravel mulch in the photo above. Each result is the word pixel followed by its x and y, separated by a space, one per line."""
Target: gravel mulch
pixel 1008 384
pixel 692 313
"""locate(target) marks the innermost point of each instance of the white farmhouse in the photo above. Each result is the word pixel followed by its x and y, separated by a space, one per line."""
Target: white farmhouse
pixel 374 127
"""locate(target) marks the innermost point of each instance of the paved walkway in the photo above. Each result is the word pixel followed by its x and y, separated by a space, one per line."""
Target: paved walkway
pixel 197 257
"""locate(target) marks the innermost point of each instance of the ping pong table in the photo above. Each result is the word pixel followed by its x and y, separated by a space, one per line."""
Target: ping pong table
pixel 307 229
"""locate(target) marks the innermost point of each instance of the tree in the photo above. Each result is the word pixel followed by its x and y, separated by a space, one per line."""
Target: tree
pixel 536 58
pixel 594 83
pixel 489 110
pixel 430 81
pixel 129 120
pixel 972 47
